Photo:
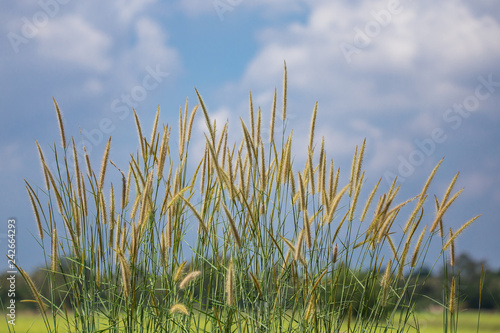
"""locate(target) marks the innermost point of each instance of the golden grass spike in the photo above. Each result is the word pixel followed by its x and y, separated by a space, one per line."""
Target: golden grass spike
pixel 307 229
pixel 104 164
pixel 441 231
pixel 102 208
pixel 359 164
pixel 145 200
pixel 292 182
pixel 189 278
pixel 262 169
pixel 302 191
pixel 248 141
pixel 56 191
pixel 385 226
pixel 392 246
pixel 252 121
pixel 313 127
pixel 273 118
pixel 360 161
pixel 287 161
pixel 229 288
pixel 165 240
pixel 179 308
pixel 77 169
pixel 32 195
pixel 311 308
pixel 311 173
pixel 135 206
pixel 259 125
pixel 42 160
pixel 377 215
pixel 385 283
pixel 298 246
pixel 402 258
pixel 90 172
pixel 163 151
pixel 322 167
pixel 170 232
pixel 442 210
pixel 179 271
pixel 83 196
pixel 331 180
pixel 191 121
pixel 283 113
pixel 34 290
pixel 452 249
pixel 221 140
pixel 256 284
pixel 333 190
pixel 429 179
pixel 450 188
pixel 417 248
pixel 53 265
pixel 125 270
pixel 453 302
pixel 77 215
pixel 335 202
pixel 369 201
pixel 204 170
pixel 232 224
pixel 391 189
pixel 413 214
pixel 139 133
pixel 355 197
pixel 207 118
pixel 352 180
pixel 118 229
pixel 124 191
pixel 155 125
pixel 61 125
pixel 459 231
pixel 335 253
pixel 181 134
pixel 112 222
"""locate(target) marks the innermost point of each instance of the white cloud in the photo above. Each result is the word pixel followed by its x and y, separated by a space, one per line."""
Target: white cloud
pixel 93 86
pixel 476 183
pixel 73 40
pixel 196 7
pixel 151 47
pixel 128 9
pixel 224 8
pixel 413 65
pixel 430 42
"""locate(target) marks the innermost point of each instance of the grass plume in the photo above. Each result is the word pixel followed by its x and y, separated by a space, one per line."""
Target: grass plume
pixel 263 252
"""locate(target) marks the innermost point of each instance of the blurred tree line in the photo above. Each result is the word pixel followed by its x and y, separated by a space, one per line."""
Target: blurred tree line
pixel 429 288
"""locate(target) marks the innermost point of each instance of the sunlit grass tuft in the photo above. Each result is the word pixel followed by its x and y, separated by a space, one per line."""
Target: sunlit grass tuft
pixel 280 248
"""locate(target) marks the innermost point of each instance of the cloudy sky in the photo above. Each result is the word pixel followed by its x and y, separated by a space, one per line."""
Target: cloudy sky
pixel 419 79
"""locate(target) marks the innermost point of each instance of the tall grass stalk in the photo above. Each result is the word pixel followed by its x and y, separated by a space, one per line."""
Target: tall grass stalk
pixel 268 256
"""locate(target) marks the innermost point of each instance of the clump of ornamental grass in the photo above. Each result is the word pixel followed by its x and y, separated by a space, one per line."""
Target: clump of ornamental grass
pixel 280 247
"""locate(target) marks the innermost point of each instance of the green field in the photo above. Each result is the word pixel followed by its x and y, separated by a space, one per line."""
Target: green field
pixel 429 323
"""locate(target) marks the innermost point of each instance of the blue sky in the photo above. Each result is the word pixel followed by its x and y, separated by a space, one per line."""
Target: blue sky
pixel 419 79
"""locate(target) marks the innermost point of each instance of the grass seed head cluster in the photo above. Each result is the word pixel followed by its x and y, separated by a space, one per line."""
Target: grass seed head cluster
pixel 280 248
